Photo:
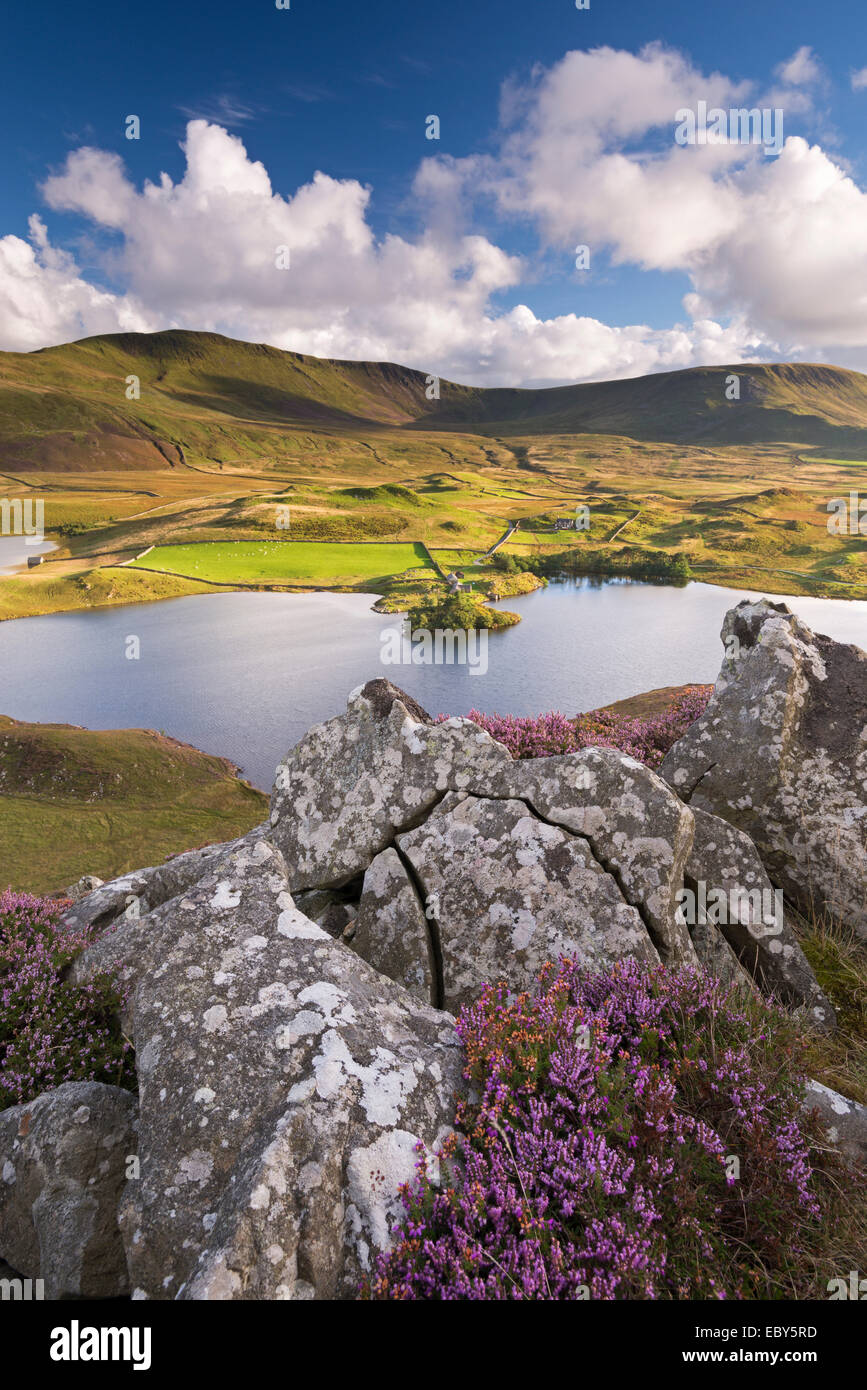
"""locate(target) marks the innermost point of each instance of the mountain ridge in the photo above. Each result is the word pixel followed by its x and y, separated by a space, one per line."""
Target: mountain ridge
pixel 64 404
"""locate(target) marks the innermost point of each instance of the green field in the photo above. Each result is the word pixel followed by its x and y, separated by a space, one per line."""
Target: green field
pixel 284 562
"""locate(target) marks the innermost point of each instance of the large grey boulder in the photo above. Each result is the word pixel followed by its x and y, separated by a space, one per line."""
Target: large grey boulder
pixel 347 796
pixel 136 894
pixel 781 753
pixel 509 892
pixel 64 1160
pixel 284 1087
pixel 724 871
pixel 350 785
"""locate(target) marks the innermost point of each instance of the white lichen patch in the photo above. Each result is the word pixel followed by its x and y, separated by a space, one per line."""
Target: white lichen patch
pixel 215 1019
pixel 225 897
pixel 374 1175
pixel 195 1167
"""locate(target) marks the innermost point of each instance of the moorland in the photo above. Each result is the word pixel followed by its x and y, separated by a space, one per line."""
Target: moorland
pixel 83 801
pixel 179 462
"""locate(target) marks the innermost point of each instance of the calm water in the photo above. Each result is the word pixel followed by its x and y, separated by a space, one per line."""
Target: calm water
pixel 245 675
pixel 15 552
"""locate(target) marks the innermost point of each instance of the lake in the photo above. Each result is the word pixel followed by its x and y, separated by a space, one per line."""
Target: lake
pixel 246 674
pixel 15 551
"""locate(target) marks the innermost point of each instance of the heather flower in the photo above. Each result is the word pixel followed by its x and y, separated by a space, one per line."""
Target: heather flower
pixel 601 1170
pixel 50 1030
pixel 545 735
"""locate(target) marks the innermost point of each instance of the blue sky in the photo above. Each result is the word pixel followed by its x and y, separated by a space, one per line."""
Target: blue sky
pixel 469 270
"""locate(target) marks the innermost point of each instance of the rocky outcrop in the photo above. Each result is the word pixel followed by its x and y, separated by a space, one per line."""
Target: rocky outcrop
pixel 284 1087
pixel 489 866
pixel 135 895
pixel 781 753
pixel 446 864
pixel 287 992
pixel 64 1160
pixel 351 785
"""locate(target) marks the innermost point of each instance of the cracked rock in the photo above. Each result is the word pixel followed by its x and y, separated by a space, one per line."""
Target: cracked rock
pixel 512 892
pixel 754 923
pixel 636 826
pixel 284 1086
pixel 781 753
pixel 350 785
pixel 392 931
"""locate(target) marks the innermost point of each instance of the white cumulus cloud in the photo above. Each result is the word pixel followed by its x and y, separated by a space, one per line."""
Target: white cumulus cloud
pixel 206 253
pixel 777 244
pixel 773 250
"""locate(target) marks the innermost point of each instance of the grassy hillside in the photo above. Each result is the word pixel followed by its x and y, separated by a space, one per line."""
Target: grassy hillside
pixel 49 591
pixel 207 399
pixel 791 402
pixel 76 801
pixel 244 445
pixel 202 396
